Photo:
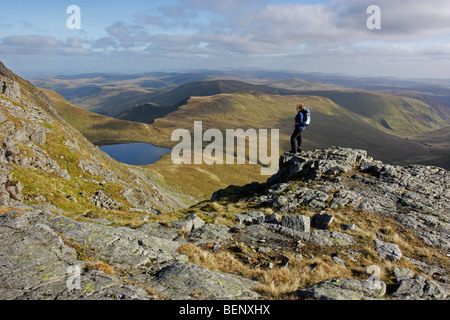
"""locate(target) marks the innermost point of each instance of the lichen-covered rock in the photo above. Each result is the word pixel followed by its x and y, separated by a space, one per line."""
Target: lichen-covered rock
pixel 420 288
pixel 297 223
pixel 250 217
pixel 211 232
pixel 189 280
pixel 313 166
pixel 36 262
pixel 331 238
pixel 191 222
pixel 388 251
pixel 344 289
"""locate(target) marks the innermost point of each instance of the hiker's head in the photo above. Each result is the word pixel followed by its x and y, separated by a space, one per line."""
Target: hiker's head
pixel 300 107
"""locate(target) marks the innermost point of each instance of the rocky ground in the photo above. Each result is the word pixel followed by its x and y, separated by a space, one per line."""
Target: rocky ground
pixel 331 224
pixel 48 256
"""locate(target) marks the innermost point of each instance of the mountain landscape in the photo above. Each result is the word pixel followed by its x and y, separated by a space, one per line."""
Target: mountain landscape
pixel 363 213
pixel 391 118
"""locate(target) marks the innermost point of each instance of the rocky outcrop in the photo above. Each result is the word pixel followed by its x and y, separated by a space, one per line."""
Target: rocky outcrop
pixel 47 256
pixel 188 280
pixel 418 196
pixel 343 289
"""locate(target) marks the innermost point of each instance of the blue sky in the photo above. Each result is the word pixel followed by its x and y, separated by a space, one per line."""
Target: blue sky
pixel 312 36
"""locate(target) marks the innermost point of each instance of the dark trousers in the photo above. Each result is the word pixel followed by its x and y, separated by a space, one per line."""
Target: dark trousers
pixel 296 140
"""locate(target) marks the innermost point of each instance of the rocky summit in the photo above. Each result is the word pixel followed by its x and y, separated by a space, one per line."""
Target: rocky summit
pixel 330 224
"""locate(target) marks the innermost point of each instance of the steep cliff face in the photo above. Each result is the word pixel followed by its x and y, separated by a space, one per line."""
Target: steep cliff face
pixel 45 161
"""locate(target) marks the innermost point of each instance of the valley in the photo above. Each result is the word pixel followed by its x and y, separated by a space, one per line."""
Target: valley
pixel 393 119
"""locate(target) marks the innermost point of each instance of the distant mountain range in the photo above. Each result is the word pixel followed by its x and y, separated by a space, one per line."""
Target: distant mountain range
pixel 394 119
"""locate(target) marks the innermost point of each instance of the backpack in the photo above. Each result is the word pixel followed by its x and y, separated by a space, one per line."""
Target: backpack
pixel 306 117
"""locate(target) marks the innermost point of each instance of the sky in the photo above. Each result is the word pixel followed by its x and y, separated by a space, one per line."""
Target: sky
pixel 405 39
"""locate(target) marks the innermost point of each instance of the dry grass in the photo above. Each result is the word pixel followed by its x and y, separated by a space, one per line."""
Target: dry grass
pixel 316 263
pixel 101 266
pixel 279 282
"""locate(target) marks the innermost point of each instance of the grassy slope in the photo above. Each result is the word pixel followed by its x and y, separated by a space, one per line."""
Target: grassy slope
pixel 97 128
pixel 199 181
pixel 439 141
pixel 55 189
pixel 331 124
pixel 403 115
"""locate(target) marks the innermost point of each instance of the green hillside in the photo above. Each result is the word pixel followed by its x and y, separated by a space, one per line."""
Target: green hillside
pixel 332 124
pixel 403 115
pixel 163 103
pixel 97 128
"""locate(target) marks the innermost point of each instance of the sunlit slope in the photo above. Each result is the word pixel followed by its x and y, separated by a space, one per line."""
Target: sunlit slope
pixel 402 115
pixel 98 128
pixel 199 181
pixel 332 124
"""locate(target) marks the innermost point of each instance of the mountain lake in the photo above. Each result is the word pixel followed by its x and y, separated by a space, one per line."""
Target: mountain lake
pixel 137 154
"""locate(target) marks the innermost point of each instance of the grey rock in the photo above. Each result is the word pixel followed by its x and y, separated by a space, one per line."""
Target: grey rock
pixel 417 196
pixel 102 200
pixel 288 231
pixel 297 223
pixel 402 274
pixel 35 260
pixel 271 218
pixel 159 230
pixel 250 217
pixel 192 222
pixel 186 280
pixel 211 232
pixel 343 289
pixel 122 247
pixel 322 221
pixel 313 166
pixel 420 288
pixel 338 260
pixel 388 251
pixel 331 238
pixel 9 190
pixel 258 232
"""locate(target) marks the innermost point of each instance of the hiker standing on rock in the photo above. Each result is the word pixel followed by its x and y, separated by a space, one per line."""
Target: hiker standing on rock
pixel 296 138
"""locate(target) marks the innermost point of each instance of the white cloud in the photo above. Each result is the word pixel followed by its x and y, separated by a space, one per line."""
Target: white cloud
pixel 41 45
pixel 272 33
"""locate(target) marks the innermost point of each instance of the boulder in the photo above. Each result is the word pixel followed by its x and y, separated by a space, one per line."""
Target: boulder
pixel 297 223
pixel 419 288
pixel 331 238
pixel 192 222
pixel 343 289
pixel 322 221
pixel 250 217
pixel 211 232
pixel 388 251
pixel 187 280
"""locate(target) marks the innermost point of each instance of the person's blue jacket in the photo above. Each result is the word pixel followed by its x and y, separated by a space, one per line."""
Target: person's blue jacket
pixel 299 119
